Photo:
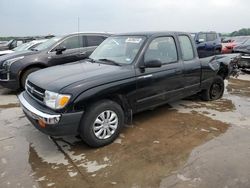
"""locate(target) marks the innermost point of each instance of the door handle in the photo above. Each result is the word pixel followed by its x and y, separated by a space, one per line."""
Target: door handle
pixel 178 71
pixel 146 76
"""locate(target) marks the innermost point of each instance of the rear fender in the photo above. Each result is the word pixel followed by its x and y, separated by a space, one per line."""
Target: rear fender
pixel 223 65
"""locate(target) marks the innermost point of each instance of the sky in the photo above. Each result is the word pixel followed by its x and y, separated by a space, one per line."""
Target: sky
pixel 42 17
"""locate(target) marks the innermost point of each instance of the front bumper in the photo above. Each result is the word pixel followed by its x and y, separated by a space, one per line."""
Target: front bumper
pixel 6 81
pixel 55 124
pixel 244 61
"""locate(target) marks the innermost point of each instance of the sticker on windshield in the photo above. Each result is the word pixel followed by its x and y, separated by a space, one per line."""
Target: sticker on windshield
pixel 134 40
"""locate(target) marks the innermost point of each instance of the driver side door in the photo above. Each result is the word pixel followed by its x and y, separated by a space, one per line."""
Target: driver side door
pixel 159 84
pixel 75 50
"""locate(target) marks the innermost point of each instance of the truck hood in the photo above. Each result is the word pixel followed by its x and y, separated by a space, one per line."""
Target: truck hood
pixel 78 74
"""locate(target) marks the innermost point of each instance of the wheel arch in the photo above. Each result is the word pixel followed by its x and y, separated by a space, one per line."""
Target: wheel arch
pixel 118 98
pixel 37 65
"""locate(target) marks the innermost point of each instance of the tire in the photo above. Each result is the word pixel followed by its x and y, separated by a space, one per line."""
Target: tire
pixel 91 120
pixel 215 90
pixel 26 74
pixel 217 51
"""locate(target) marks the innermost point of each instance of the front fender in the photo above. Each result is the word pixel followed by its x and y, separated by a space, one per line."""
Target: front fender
pixel 119 90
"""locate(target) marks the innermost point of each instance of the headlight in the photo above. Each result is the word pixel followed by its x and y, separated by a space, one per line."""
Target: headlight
pixel 9 62
pixel 55 100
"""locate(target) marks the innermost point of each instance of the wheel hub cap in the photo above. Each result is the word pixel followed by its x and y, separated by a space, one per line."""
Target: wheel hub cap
pixel 105 124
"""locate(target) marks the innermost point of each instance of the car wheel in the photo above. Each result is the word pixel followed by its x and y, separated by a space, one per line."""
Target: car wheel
pixel 215 90
pixel 101 123
pixel 217 51
pixel 26 74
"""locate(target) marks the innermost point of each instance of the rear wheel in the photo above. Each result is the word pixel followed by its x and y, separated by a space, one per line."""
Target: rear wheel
pixel 215 90
pixel 26 74
pixel 101 124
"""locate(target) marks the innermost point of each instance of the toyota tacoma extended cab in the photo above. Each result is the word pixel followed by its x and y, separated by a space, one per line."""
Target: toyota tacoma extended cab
pixel 126 74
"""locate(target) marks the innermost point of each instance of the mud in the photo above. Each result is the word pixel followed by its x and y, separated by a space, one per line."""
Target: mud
pixel 239 87
pixel 10 105
pixel 160 149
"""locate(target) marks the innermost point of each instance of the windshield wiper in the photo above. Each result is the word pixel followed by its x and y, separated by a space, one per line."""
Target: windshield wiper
pixel 110 61
pixel 91 60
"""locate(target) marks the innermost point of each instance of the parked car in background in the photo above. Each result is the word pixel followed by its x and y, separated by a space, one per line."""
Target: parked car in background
pixel 15 67
pixel 23 47
pixel 244 49
pixel 229 45
pixel 126 74
pixel 207 43
pixel 14 43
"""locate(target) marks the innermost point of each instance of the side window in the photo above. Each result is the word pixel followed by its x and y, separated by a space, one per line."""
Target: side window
pixel 186 48
pixel 19 42
pixel 202 36
pixel 95 40
pixel 162 49
pixel 73 42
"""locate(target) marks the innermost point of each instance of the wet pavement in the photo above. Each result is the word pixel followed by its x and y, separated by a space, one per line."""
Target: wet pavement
pixel 189 143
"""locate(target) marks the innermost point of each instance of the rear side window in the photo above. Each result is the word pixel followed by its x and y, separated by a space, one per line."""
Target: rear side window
pixel 186 48
pixel 162 49
pixel 211 36
pixel 73 42
pixel 95 40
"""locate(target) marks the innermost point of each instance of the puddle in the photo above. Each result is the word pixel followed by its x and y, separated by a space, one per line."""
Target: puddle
pixel 239 87
pixel 158 143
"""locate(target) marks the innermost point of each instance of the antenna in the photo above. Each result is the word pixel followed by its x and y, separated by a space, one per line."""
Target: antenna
pixel 78 28
pixel 78 23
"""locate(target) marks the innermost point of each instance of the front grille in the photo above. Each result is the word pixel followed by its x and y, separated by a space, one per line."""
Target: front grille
pixel 35 91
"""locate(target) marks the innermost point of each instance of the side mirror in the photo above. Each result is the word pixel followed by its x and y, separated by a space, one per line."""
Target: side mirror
pixel 153 64
pixel 60 49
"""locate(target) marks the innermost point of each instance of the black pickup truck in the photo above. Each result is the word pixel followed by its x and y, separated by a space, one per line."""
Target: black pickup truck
pixel 126 74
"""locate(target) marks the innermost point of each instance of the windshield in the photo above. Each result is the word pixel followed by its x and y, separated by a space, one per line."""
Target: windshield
pixel 10 41
pixel 23 47
pixel 47 44
pixel 120 49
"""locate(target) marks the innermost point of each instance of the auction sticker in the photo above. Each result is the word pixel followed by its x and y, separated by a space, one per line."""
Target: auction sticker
pixel 134 40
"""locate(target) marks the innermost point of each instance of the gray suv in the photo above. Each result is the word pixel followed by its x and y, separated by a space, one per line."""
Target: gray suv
pixel 15 67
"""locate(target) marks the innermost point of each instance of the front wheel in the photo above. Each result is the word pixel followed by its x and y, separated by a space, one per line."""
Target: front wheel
pixel 101 124
pixel 215 90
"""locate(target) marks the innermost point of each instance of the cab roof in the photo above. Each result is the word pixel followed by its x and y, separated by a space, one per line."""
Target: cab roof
pixel 152 33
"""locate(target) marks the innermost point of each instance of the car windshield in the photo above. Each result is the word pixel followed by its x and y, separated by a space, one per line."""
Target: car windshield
pixel 23 47
pixel 119 49
pixel 47 44
pixel 10 41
